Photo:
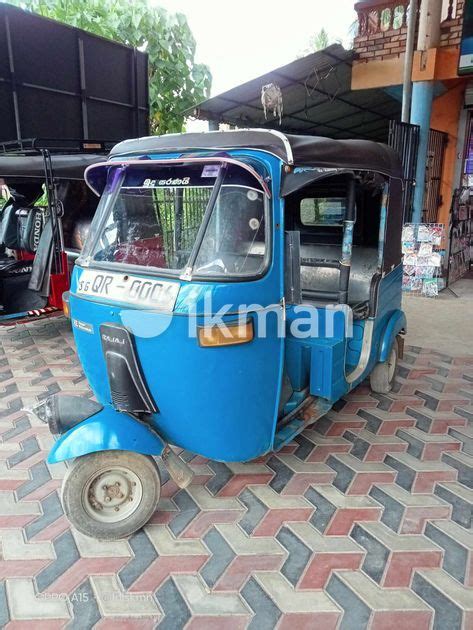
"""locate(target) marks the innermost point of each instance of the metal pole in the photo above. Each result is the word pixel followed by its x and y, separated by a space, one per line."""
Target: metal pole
pixel 422 95
pixel 347 243
pixel 408 58
pixel 429 24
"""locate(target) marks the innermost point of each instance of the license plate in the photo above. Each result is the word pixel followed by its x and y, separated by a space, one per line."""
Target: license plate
pixel 118 287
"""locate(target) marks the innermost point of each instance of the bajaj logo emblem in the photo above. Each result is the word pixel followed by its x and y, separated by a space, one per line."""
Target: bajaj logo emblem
pixel 113 339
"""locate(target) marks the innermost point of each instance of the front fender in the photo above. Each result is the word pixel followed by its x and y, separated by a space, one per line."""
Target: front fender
pixel 396 323
pixel 107 430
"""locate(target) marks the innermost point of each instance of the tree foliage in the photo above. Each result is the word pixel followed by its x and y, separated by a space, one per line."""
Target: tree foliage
pixel 176 82
pixel 319 41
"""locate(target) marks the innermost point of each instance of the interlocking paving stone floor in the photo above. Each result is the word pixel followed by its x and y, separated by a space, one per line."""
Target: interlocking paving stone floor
pixel 364 521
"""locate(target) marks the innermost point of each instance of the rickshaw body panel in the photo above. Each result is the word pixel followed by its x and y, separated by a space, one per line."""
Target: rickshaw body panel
pixel 220 402
pixel 224 402
pixel 392 319
pixel 107 430
pixel 318 362
pixel 389 321
pixel 322 362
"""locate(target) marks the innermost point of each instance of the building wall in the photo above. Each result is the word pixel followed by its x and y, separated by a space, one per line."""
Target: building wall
pixel 373 43
pixel 446 110
pixel 383 45
pixel 380 64
pixel 452 30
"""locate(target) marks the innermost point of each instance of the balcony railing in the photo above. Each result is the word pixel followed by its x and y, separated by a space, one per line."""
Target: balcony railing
pixel 378 16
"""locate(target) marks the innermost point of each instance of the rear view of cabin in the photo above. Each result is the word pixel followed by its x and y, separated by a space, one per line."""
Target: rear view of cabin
pixel 42 231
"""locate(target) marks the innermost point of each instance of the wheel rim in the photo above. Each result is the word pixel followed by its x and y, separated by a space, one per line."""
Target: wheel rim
pixel 391 365
pixel 112 494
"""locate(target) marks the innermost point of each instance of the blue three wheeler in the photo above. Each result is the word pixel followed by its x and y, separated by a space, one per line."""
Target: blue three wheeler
pixel 233 286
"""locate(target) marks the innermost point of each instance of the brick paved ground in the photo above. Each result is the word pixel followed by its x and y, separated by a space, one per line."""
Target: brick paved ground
pixel 364 521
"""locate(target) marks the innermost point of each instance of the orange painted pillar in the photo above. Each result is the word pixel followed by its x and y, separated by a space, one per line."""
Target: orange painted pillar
pixel 445 117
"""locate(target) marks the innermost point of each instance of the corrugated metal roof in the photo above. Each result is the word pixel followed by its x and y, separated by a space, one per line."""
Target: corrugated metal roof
pixel 317 99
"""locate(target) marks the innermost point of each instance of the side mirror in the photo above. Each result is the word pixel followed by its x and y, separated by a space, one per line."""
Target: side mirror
pixel 292 269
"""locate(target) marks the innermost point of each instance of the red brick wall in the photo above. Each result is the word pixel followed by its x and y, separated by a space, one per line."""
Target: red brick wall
pixel 384 45
pixel 390 44
pixel 452 30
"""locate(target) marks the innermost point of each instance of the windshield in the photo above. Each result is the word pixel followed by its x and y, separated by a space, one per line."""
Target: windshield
pixel 161 218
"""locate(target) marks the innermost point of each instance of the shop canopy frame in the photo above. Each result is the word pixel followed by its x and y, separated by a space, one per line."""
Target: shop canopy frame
pixel 317 100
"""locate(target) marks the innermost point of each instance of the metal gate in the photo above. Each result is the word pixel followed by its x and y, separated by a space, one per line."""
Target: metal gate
pixel 433 175
pixel 404 138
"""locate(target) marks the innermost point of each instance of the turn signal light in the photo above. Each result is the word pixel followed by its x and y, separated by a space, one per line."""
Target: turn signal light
pixel 231 334
pixel 65 304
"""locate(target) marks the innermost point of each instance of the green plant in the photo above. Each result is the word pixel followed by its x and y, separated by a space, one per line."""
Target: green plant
pixel 318 41
pixel 176 82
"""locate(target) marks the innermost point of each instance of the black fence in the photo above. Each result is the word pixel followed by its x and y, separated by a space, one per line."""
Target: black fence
pixel 179 213
pixel 433 175
pixel 61 82
pixel 404 138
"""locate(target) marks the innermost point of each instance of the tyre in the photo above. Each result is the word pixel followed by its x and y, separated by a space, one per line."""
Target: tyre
pixel 383 374
pixel 111 494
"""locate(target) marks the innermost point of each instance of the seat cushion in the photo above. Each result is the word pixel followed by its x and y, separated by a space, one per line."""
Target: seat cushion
pixel 30 227
pixel 9 227
pixel 363 267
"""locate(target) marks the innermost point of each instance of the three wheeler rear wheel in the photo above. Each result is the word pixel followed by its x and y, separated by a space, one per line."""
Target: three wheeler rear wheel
pixel 111 494
pixel 383 374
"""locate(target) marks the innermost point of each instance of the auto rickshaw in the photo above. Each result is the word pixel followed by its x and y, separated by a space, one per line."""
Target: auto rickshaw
pixel 233 287
pixel 43 223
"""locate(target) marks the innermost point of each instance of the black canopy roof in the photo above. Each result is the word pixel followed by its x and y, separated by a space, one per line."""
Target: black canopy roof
pixel 68 167
pixel 309 151
pixel 317 96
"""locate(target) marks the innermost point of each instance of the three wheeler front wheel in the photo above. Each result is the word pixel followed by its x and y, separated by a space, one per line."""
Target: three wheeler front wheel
pixel 111 494
pixel 383 374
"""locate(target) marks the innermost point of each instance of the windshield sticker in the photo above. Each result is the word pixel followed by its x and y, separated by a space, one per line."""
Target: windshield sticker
pixel 211 170
pixel 176 181
pixel 254 224
pixel 252 195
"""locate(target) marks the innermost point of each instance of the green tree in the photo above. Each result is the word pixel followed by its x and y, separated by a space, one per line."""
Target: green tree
pixel 176 82
pixel 319 41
